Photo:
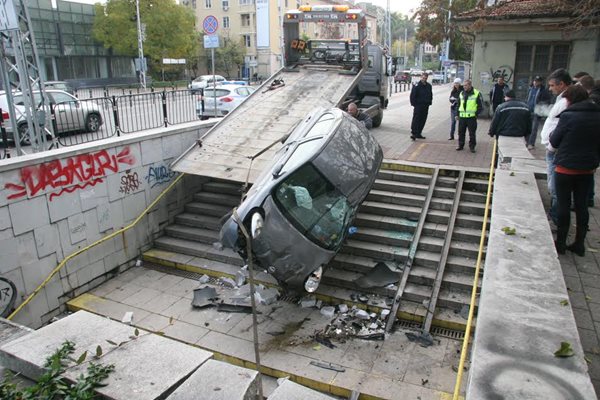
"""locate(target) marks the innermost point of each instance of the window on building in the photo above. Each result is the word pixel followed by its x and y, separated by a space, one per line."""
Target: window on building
pixel 537 59
pixel 225 22
pixel 246 2
pixel 207 3
pixel 247 41
pixel 225 4
pixel 245 19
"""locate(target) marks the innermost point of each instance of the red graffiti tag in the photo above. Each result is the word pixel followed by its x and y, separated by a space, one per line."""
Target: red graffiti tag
pixel 69 175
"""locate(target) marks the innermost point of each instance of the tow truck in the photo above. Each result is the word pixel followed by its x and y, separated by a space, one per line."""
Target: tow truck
pixel 316 73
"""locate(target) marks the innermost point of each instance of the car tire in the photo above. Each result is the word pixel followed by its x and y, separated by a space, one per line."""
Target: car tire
pixel 93 122
pixel 24 135
pixel 378 118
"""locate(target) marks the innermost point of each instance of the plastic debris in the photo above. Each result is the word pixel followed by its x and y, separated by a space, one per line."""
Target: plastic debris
pixel 343 308
pixel 240 278
pixel 138 263
pixel 319 304
pixel 204 297
pixel 127 318
pixel 267 295
pixel 385 313
pixel 204 279
pixel 328 311
pixel 362 314
pixel 218 246
pixel 308 302
pixel 423 338
pixel 352 230
pixel 330 366
pixel 227 282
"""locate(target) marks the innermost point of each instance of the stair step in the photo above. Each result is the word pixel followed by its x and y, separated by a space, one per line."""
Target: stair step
pixel 218 198
pixel 404 176
pixel 214 210
pixel 398 198
pixel 391 237
pixel 394 210
pixel 385 222
pixel 201 235
pixel 353 263
pixel 197 249
pixel 375 250
pixel 398 186
pixel 234 189
pixel 450 280
pixel 199 221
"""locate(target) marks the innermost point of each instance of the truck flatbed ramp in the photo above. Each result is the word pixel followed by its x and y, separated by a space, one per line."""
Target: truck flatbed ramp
pixel 267 115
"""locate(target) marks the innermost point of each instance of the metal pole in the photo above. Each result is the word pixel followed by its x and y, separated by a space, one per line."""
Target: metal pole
pixel 405 51
pixel 214 81
pixel 447 50
pixel 142 64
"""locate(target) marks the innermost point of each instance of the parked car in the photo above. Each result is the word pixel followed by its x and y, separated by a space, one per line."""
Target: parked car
pixel 204 81
pixel 226 97
pixel 58 85
pixel 71 114
pixel 438 77
pixel 402 77
pixel 300 208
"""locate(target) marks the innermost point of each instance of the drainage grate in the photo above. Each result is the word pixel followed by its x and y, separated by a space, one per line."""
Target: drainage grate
pixel 437 331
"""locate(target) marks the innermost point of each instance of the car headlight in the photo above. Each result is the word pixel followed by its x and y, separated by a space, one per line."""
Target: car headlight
pixel 256 225
pixel 313 280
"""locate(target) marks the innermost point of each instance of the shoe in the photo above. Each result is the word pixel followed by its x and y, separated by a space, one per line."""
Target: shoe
pixel 577 248
pixel 419 136
pixel 459 148
pixel 412 137
pixel 472 149
pixel 530 147
pixel 451 138
pixel 560 248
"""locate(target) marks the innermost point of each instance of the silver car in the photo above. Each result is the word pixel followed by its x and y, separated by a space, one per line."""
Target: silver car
pixel 70 113
pixel 299 210
pixel 220 101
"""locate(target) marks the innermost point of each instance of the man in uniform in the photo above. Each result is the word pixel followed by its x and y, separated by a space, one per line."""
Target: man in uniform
pixel 469 107
pixel 421 97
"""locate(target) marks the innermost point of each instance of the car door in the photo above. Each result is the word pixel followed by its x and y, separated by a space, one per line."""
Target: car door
pixel 67 112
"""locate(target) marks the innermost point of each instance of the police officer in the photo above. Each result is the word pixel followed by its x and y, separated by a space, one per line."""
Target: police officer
pixel 512 118
pixel 469 107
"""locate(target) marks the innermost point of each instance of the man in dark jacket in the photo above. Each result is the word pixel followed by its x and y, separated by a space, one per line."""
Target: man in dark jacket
pixel 536 96
pixel 359 115
pixel 498 92
pixel 512 118
pixel 421 97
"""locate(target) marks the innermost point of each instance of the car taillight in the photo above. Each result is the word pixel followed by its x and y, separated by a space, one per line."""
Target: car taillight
pixel 226 99
pixel 5 116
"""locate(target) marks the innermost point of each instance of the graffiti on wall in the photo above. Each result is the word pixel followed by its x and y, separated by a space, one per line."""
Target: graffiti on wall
pixel 159 175
pixel 504 71
pixel 68 175
pixel 130 182
pixel 8 295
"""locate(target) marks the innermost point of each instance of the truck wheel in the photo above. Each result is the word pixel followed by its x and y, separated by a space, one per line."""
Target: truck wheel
pixel 377 119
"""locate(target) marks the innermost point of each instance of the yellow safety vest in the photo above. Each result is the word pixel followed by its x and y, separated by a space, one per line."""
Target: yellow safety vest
pixel 471 110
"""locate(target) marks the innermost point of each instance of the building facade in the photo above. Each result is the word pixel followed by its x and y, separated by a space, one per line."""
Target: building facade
pixel 520 39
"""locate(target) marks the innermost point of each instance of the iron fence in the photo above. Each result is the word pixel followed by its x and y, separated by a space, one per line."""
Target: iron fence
pixel 98 118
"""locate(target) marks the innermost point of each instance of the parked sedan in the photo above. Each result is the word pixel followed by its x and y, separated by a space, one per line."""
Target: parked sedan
pixel 204 81
pixel 70 113
pixel 298 212
pixel 226 98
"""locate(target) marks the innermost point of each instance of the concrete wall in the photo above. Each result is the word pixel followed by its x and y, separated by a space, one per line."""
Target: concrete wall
pixel 57 202
pixel 495 48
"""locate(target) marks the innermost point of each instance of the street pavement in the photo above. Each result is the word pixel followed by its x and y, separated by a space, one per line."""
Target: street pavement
pixel 581 274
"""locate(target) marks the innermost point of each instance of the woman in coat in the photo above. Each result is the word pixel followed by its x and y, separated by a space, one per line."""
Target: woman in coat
pixel 577 140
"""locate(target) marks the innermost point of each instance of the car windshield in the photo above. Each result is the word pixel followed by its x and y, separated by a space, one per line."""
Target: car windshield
pixel 314 206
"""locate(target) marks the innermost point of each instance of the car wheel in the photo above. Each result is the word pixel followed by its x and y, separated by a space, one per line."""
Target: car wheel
pixel 24 135
pixel 378 118
pixel 93 122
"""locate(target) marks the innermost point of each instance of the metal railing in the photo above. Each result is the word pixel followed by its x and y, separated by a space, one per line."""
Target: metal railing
pixel 103 117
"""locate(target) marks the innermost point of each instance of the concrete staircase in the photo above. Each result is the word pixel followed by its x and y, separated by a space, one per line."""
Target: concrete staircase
pixel 386 223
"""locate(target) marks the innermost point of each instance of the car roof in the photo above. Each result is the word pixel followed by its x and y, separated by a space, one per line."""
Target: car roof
pixel 228 86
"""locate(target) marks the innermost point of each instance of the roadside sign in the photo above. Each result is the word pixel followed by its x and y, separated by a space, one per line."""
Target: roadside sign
pixel 211 41
pixel 210 25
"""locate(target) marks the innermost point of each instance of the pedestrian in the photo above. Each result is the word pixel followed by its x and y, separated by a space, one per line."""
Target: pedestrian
pixel 359 115
pixel 577 146
pixel 537 96
pixel 512 118
pixel 558 82
pixel 454 96
pixel 578 76
pixel 595 93
pixel 587 82
pixel 469 107
pixel 421 97
pixel 498 92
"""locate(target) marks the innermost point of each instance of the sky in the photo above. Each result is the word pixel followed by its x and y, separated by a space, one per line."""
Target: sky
pixel 402 6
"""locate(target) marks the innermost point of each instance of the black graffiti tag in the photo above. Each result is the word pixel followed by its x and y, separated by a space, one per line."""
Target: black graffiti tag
pixel 129 183
pixel 8 295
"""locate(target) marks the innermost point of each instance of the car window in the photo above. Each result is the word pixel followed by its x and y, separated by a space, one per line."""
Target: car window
pixel 61 98
pixel 242 91
pixel 314 206
pixel 215 92
pixel 251 89
pixel 18 99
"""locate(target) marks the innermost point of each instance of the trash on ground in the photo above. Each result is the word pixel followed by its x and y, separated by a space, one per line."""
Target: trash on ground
pixel 424 339
pixel 204 297
pixel 204 279
pixel 234 307
pixel 330 366
pixel 218 246
pixel 127 318
pixel 227 282
pixel 308 302
pixel 240 278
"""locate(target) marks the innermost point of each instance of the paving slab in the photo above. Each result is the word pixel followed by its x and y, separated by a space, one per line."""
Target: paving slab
pixel 289 390
pixel 140 371
pixel 216 380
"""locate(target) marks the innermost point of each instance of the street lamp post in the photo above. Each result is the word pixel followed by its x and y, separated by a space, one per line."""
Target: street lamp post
pixel 141 63
pixel 447 42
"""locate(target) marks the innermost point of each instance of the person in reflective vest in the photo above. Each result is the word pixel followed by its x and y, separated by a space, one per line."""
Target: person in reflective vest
pixel 470 106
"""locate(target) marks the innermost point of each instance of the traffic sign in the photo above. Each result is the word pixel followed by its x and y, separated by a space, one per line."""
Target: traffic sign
pixel 211 41
pixel 210 25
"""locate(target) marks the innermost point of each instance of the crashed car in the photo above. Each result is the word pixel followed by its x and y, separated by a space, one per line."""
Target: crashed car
pixel 298 212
